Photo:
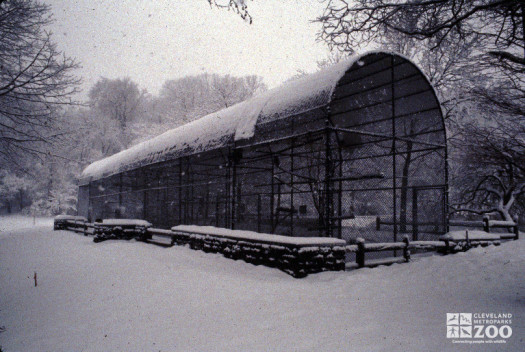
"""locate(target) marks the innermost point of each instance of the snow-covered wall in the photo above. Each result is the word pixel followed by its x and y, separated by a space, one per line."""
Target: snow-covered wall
pixel 294 255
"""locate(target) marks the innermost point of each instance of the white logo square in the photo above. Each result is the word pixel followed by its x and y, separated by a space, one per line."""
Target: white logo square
pixel 452 318
pixel 452 331
pixel 465 331
pixel 465 318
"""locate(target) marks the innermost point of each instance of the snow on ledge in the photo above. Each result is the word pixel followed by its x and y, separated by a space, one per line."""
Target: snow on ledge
pixel 259 237
pixel 126 222
pixel 476 235
pixel 502 223
pixel 70 217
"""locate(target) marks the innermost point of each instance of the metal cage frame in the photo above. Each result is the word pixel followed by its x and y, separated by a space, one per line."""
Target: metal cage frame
pixel 370 161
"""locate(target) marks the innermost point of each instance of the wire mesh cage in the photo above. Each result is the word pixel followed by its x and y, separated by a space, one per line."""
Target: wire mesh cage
pixel 367 160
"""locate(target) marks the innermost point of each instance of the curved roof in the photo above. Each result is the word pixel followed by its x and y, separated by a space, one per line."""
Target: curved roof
pixel 231 124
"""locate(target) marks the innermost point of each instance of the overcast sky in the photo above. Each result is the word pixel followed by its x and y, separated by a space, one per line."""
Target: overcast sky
pixel 152 41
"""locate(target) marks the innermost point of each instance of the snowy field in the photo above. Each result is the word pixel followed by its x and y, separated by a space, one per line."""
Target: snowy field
pixel 132 296
pixel 20 222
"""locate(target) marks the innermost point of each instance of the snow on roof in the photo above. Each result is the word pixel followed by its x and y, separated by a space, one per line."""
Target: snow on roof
pixel 231 124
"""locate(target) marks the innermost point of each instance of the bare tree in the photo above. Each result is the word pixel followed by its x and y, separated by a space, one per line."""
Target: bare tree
pixel 491 169
pixel 185 99
pixel 238 6
pixel 35 80
pixel 118 99
pixel 455 40
pixel 500 23
pixel 13 190
pixel 229 90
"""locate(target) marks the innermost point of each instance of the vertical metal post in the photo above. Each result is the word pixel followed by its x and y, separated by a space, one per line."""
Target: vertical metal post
pixel 360 254
pixel 191 191
pixel 445 200
pixel 415 220
pixel 217 210
pixel 120 195
pixel 145 194
pixel 394 151
pixel 145 202
pixel 340 195
pixel 158 204
pixel 272 201
pixel 291 185
pixel 165 205
pixel 258 213
pixel 233 161
pixel 227 191
pixel 486 225
pixel 89 202
pixel 187 198
pixel 180 190
pixel 206 204
pixel 327 180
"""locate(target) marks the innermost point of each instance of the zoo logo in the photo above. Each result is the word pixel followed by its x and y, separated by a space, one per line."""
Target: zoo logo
pixel 459 325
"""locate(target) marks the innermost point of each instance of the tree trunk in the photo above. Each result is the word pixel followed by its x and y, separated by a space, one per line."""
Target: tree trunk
pixel 505 204
pixel 404 190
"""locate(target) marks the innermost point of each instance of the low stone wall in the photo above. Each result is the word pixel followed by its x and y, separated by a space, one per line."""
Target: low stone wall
pixel 293 255
pixel 61 222
pixel 121 229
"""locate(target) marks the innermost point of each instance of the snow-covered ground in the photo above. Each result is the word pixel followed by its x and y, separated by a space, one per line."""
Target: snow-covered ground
pixel 132 296
pixel 20 222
